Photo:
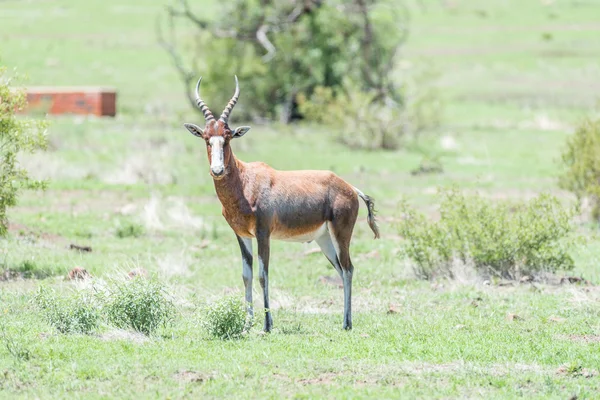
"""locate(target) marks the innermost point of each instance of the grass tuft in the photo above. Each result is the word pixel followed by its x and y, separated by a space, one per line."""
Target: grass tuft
pixel 139 304
pixel 77 313
pixel 225 319
pixel 129 230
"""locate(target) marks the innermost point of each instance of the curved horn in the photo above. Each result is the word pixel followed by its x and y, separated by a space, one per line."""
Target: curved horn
pixel 200 103
pixel 232 102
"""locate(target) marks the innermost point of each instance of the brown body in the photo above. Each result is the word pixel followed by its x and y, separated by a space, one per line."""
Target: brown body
pixel 262 203
pixel 254 193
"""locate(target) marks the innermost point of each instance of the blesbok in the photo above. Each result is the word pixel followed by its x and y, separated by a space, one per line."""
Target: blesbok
pixel 263 203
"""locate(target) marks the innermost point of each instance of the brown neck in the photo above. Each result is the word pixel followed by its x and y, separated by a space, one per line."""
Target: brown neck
pixel 230 188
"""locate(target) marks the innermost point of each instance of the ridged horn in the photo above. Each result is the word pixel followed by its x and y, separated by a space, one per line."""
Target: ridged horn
pixel 201 105
pixel 225 116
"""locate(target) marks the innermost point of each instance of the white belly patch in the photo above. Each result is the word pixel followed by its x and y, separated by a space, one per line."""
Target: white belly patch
pixel 306 237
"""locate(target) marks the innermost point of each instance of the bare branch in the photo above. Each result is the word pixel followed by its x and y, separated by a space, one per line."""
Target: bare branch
pixel 261 36
pixel 187 12
pixel 186 75
pixel 295 14
pixel 366 43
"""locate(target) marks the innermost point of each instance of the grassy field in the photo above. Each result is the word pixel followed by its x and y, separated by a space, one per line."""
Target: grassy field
pixel 516 77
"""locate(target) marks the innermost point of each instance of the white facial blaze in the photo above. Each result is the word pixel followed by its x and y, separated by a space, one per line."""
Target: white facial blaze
pixel 216 153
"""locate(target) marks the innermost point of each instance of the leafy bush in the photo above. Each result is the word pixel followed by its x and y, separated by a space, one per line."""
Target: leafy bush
pixel 26 269
pixel 501 239
pixel 581 158
pixel 281 48
pixel 78 313
pixel 140 304
pixel 129 230
pixel 17 135
pixel 358 120
pixel 15 345
pixel 225 319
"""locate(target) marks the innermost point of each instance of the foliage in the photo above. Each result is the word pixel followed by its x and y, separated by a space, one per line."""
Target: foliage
pixel 129 230
pixel 15 345
pixel 226 318
pixel 502 239
pixel 78 313
pixel 140 304
pixel 279 49
pixel 360 121
pixel 581 159
pixel 26 269
pixel 17 135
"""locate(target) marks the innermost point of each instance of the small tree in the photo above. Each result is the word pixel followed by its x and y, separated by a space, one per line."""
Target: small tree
pixel 581 157
pixel 280 49
pixel 17 135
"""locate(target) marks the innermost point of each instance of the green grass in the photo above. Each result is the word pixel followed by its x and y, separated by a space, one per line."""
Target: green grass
pixel 512 98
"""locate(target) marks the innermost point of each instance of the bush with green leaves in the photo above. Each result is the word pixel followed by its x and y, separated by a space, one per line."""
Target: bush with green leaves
pixel 358 120
pixel 501 239
pixel 129 230
pixel 77 313
pixel 17 136
pixel 281 48
pixel 140 304
pixel 15 343
pixel 226 318
pixel 581 159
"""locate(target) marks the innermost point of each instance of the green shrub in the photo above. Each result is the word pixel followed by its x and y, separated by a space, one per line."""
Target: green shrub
pixel 302 47
pixel 129 230
pixel 359 120
pixel 497 238
pixel 139 304
pixel 26 269
pixel 78 313
pixel 581 159
pixel 15 344
pixel 17 135
pixel 226 318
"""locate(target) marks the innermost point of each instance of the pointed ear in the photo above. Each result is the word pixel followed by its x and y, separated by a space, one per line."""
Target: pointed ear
pixel 195 130
pixel 240 131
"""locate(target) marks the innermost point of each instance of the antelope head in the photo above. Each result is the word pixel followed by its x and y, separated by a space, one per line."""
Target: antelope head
pixel 217 134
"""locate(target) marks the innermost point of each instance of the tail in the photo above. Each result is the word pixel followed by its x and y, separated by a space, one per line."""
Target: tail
pixel 371 207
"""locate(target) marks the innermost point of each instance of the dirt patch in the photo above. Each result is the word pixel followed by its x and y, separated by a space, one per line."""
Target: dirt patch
pixel 584 338
pixel 576 372
pixel 33 235
pixel 334 281
pixel 11 275
pixel 326 378
pixel 191 377
pixel 396 374
pixel 119 334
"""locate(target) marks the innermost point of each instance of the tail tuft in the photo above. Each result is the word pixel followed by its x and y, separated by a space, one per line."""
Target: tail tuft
pixel 371 209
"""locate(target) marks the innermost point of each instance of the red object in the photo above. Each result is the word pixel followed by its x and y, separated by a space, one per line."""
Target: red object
pixel 97 101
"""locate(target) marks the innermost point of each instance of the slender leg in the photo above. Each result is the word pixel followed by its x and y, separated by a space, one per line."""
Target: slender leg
pixel 263 276
pixel 246 248
pixel 347 278
pixel 328 250
pixel 341 243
